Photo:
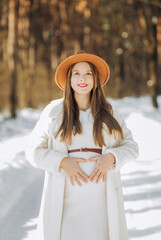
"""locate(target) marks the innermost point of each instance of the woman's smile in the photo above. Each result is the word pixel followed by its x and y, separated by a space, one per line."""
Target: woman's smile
pixel 82 85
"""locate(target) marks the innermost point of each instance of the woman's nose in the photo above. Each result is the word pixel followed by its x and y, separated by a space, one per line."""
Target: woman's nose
pixel 82 77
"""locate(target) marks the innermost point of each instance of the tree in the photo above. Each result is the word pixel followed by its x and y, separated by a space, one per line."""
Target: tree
pixel 12 52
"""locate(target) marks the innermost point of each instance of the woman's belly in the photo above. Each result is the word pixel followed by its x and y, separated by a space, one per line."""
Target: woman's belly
pixel 87 166
pixel 85 207
pixel 90 192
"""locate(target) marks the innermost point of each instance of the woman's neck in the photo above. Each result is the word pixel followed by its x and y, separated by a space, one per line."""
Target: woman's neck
pixel 83 101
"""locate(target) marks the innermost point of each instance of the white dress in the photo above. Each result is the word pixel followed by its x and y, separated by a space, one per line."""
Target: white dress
pixel 85 207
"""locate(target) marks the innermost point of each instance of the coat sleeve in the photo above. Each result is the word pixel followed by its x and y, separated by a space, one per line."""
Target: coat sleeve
pixel 39 152
pixel 127 149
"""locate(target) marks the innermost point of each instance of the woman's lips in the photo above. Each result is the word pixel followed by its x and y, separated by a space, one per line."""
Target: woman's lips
pixel 82 85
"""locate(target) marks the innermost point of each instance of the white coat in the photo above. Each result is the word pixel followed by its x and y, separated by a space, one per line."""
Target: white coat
pixel 46 152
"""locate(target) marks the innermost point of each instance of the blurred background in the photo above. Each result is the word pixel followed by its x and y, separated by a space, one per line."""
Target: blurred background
pixel 36 35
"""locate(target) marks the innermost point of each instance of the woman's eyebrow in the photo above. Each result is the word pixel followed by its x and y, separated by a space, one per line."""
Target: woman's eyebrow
pixel 78 71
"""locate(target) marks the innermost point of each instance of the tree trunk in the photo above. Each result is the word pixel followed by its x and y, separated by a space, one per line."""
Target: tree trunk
pixel 155 60
pixel 12 50
pixel 159 50
pixel 153 56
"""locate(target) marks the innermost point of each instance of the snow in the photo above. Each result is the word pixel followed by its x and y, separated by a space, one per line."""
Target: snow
pixel 21 184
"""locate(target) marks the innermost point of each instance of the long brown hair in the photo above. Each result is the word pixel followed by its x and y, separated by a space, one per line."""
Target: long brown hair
pixel 100 108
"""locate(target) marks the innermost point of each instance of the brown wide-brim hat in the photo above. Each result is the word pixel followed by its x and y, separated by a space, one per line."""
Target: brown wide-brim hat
pixel 81 56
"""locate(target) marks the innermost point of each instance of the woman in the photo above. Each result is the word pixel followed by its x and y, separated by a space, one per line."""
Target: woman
pixel 81 143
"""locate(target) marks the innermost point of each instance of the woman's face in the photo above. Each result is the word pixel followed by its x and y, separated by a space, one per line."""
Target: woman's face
pixel 82 78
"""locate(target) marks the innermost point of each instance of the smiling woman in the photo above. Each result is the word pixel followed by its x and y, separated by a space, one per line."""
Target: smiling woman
pixel 82 79
pixel 82 82
pixel 82 153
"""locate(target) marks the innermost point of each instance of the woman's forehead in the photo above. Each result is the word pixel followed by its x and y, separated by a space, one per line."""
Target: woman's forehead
pixel 82 66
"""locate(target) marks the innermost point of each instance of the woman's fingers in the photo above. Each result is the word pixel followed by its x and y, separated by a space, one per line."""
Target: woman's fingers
pixel 92 159
pixel 85 176
pixel 82 178
pixel 80 160
pixel 71 180
pixel 99 177
pixel 77 181
pixel 94 174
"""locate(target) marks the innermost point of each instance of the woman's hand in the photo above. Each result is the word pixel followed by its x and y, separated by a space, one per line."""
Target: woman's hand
pixel 70 165
pixel 104 162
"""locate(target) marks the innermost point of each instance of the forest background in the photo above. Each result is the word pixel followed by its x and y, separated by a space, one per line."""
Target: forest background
pixel 36 35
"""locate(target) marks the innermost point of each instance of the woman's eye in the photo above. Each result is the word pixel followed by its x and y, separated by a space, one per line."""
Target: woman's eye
pixel 89 73
pixel 76 73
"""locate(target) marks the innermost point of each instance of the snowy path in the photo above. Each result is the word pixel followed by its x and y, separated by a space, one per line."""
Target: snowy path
pixel 21 185
pixel 21 221
pixel 142 198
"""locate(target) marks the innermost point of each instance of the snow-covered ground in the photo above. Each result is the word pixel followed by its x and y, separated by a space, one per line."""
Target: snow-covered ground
pixel 21 184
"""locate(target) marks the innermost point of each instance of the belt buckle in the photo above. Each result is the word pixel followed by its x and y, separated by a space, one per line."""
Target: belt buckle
pixel 83 150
